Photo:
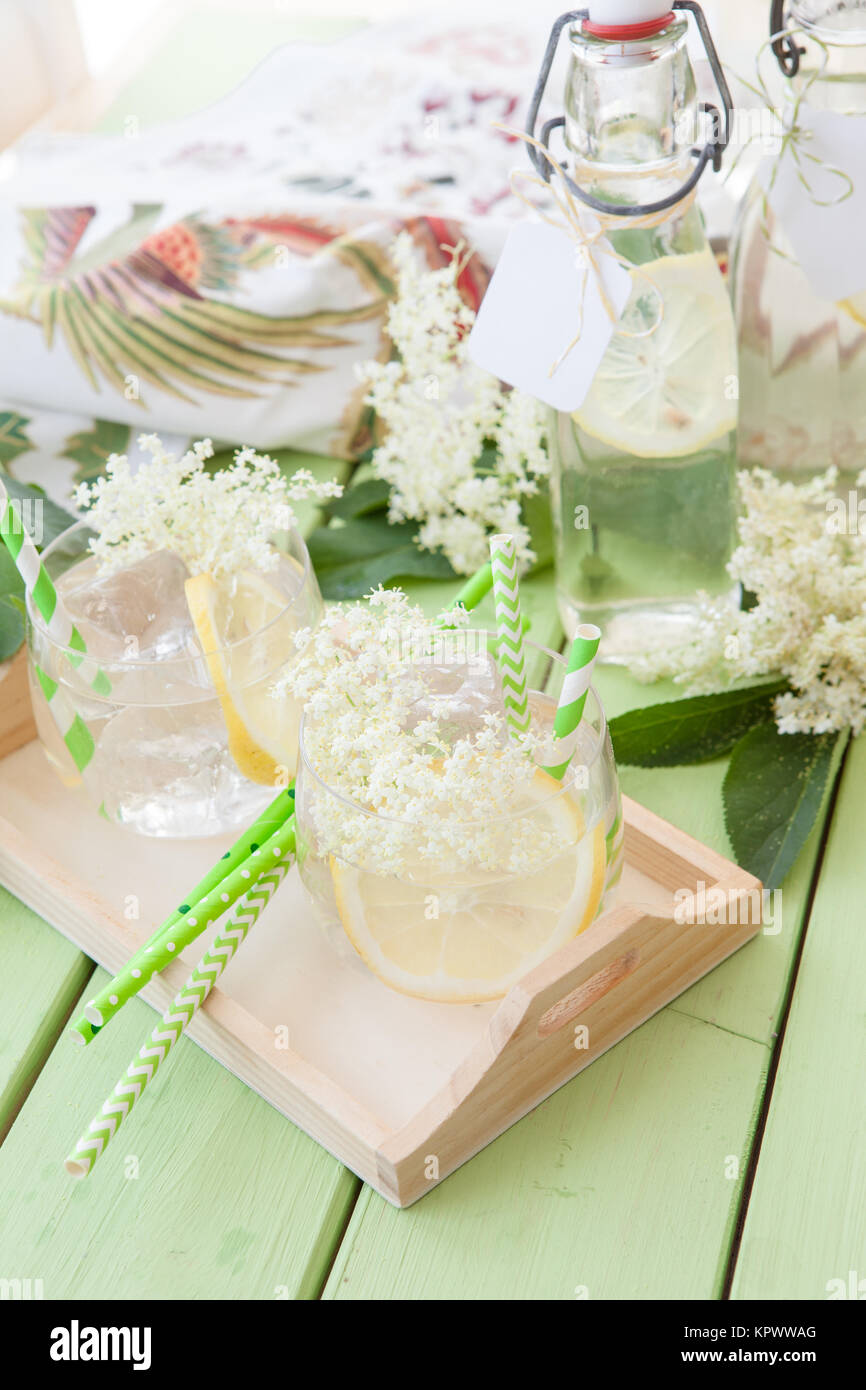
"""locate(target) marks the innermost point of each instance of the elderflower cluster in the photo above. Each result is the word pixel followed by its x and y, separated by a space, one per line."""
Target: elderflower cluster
pixel 220 522
pixel 805 564
pixel 413 772
pixel 461 451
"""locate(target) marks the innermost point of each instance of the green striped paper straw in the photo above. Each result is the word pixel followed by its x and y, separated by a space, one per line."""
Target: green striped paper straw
pixel 82 1031
pixel 572 696
pixel 509 626
pixel 44 596
pixel 177 1017
pixel 133 977
pixel 61 630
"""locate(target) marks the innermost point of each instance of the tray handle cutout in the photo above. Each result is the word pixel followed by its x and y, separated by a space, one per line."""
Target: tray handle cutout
pixel 593 989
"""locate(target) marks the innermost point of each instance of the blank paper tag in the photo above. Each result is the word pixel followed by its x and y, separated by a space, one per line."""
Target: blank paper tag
pixel 827 241
pixel 532 311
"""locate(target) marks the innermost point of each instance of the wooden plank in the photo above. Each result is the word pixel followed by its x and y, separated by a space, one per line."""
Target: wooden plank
pixel 216 1197
pixel 41 977
pixel 616 1185
pixel 806 1222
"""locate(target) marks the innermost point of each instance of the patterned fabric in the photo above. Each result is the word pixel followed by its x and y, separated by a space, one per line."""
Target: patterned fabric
pixel 224 274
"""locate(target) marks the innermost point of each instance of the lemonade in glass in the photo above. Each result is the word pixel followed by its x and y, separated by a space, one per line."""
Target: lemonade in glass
pixel 188 589
pixel 437 849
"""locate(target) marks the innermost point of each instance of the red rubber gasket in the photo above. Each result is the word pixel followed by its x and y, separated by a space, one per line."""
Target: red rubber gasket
pixel 628 31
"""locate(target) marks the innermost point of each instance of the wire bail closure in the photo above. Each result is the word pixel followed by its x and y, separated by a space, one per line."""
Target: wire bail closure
pixel 788 52
pixel 711 153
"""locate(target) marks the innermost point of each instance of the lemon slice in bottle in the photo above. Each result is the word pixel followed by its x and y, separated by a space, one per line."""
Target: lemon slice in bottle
pixel 466 938
pixel 666 395
pixel 262 730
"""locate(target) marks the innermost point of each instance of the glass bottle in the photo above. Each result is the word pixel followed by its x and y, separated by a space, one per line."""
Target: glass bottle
pixel 643 474
pixel 802 358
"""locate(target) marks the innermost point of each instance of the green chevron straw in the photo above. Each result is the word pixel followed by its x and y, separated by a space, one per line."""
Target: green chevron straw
pixel 572 696
pixel 274 815
pixel 60 628
pixel 509 626
pixel 133 977
pixel 177 1017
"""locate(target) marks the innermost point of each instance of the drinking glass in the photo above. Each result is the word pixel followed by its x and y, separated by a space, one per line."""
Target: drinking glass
pixel 455 911
pixel 166 739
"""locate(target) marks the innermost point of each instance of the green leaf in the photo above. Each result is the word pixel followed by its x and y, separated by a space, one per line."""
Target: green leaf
pixel 358 539
pixel 772 795
pixel 361 499
pixel 692 730
pixel 52 520
pixel 357 577
pixel 351 559
pixel 90 448
pixel 11 629
pixel 13 436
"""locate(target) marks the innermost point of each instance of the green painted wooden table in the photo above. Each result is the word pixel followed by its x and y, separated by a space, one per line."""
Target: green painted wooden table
pixel 716 1151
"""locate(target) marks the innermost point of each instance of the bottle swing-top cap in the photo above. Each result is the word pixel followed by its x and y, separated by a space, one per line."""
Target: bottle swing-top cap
pixel 627 19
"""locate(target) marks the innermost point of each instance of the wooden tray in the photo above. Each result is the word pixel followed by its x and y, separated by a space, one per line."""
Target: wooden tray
pixel 400 1090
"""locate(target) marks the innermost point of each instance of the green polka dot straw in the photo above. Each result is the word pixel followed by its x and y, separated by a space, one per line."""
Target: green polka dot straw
pixel 84 1030
pixel 169 944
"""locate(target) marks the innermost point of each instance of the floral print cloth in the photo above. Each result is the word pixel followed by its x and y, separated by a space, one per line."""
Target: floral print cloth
pixel 222 275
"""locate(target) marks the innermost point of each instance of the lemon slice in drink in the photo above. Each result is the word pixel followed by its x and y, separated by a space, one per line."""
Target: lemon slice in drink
pixel 262 730
pixel 467 938
pixel 666 395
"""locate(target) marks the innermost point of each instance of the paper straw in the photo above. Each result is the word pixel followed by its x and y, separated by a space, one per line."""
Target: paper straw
pixel 572 697
pixel 72 728
pixel 82 1031
pixel 176 1018
pixel 509 625
pixel 475 589
pixel 134 976
pixel 44 596
pixel 61 629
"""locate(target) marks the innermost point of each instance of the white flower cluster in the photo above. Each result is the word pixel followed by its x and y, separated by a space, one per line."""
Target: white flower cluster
pixel 410 783
pixel 808 624
pixel 461 451
pixel 220 522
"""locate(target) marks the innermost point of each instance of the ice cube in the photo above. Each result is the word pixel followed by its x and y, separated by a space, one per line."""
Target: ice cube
pixel 139 612
pixel 461 689
pixel 166 770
